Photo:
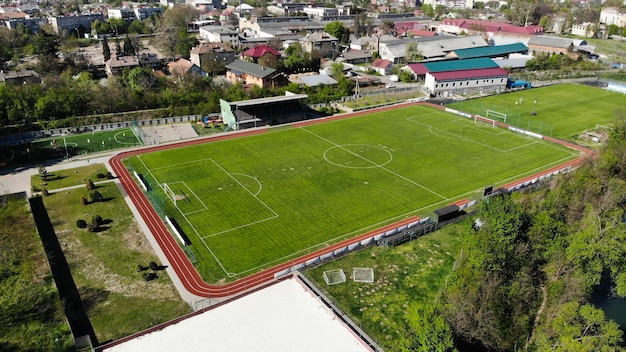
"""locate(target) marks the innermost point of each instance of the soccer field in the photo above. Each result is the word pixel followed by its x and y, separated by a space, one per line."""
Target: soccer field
pixel 250 203
pixel 563 111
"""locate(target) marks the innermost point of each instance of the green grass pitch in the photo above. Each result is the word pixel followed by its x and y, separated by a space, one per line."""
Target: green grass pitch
pixel 563 111
pixel 251 203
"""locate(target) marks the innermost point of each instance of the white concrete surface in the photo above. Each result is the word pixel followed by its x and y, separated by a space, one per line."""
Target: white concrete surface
pixel 282 317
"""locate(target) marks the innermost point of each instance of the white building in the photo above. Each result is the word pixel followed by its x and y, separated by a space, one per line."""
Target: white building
pixel 218 34
pixel 583 30
pixel 466 82
pixel 613 15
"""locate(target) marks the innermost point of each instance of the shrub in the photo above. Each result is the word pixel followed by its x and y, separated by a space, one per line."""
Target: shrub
pixel 100 175
pixel 109 175
pixel 81 224
pixel 83 200
pixel 149 276
pixel 97 219
pixel 153 266
pixel 141 268
pixel 96 196
pixel 90 185
pixel 93 226
pixel 45 193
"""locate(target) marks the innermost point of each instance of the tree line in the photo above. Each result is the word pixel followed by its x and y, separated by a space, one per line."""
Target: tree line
pixel 528 269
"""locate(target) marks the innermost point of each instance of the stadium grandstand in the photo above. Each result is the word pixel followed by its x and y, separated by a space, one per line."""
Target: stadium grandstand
pixel 264 111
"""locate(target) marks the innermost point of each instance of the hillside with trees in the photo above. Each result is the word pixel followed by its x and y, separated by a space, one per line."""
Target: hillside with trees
pixel 529 267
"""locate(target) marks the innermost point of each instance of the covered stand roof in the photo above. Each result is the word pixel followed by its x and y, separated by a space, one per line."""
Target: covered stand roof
pixel 455 75
pixel 488 51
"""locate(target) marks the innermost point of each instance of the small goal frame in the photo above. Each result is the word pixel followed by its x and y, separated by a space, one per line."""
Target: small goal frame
pixel 363 275
pixel 485 120
pixel 333 277
pixel 496 114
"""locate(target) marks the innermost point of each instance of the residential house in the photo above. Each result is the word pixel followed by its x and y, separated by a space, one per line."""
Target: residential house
pixel 67 24
pixel 254 54
pixel 382 67
pixel 33 24
pixel 436 47
pixel 250 73
pixel 19 77
pixel 215 52
pixel 126 14
pixel 142 13
pixel 117 64
pixel 183 67
pixel 319 41
pixel 317 80
pixel 218 34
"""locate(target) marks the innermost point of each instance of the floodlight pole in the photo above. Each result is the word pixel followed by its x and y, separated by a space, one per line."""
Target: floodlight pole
pixel 66 153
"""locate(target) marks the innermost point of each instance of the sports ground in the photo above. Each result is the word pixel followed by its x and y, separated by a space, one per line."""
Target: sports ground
pixel 261 199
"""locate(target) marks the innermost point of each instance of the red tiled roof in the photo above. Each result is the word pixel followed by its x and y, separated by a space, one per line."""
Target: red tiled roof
pixel 259 51
pixel 380 63
pixel 486 72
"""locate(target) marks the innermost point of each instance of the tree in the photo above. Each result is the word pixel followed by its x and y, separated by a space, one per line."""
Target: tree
pixel 96 197
pixel 141 79
pixel 413 53
pixel 81 224
pixel 90 185
pixel 337 30
pixel 106 51
pixel 428 10
pixel 47 46
pixel 427 331
pixel 129 47
pixel 171 33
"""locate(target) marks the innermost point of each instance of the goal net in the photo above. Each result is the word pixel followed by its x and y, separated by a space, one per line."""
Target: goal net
pixel 333 277
pixel 363 274
pixel 496 115
pixel 169 193
pixel 485 120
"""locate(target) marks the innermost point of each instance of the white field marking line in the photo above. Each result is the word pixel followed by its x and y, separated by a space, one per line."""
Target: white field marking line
pixel 194 194
pixel 118 141
pixel 242 186
pixel 381 167
pixel 254 178
pixel 181 164
pixel 484 128
pixel 149 171
pixel 544 167
pixel 374 165
pixel 462 138
pixel 136 137
pixel 239 227
pixel 205 244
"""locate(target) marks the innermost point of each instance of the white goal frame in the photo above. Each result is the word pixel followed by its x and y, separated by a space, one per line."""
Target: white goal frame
pixel 485 120
pixel 497 114
pixel 169 192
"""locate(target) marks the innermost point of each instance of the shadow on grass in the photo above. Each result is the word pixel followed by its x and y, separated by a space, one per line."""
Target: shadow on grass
pixel 92 297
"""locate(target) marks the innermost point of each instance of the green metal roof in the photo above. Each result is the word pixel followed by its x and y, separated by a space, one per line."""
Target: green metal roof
pixel 459 65
pixel 490 51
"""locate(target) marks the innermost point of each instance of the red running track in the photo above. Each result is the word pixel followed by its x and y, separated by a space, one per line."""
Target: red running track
pixel 183 268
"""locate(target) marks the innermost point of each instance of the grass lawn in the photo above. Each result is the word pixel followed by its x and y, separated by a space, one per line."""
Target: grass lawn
pixel 410 273
pixel 31 311
pixel 71 177
pixel 118 300
pixel 73 144
pixel 378 99
pixel 254 202
pixel 563 111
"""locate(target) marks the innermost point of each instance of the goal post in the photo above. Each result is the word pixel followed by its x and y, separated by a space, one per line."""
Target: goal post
pixel 485 120
pixel 496 114
pixel 169 192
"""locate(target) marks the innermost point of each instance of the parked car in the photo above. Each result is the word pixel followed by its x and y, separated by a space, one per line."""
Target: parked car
pixel 390 86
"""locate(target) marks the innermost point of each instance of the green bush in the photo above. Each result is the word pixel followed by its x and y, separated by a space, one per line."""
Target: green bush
pixel 83 200
pixel 97 219
pixel 45 193
pixel 96 196
pixel 100 175
pixel 81 224
pixel 90 185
